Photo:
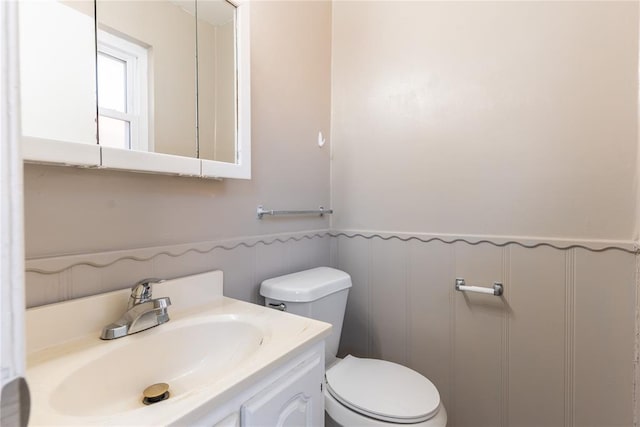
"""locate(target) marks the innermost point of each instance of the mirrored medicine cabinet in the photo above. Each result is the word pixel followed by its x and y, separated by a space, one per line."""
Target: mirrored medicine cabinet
pixel 141 85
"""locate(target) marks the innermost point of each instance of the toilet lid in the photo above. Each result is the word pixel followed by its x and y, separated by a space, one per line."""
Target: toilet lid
pixel 383 390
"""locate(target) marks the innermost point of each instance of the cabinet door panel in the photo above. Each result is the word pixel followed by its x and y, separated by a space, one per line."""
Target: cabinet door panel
pixel 294 400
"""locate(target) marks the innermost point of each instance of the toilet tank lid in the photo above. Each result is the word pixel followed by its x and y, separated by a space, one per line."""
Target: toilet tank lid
pixel 305 286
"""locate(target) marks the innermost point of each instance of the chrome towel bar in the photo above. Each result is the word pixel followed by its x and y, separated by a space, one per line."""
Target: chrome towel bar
pixel 261 211
pixel 497 289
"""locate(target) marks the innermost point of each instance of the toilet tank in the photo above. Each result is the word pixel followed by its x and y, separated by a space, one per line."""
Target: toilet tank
pixel 320 293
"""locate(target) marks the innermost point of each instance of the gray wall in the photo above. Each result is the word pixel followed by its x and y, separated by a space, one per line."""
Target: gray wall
pixel 491 118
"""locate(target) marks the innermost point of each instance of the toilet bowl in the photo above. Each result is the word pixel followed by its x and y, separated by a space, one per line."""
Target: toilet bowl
pixel 372 392
pixel 358 391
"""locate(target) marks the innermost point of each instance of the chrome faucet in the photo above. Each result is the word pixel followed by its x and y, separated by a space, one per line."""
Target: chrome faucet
pixel 142 313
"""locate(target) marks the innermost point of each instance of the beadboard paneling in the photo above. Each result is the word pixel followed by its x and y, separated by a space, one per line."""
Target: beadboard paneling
pixel 536 337
pixel 430 311
pixel 353 256
pixel 556 350
pixel 388 318
pixel 306 254
pixel 239 267
pixel 477 338
pixel 604 339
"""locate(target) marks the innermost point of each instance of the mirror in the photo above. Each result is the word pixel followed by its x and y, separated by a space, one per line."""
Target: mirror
pixel 171 92
pixel 57 70
pixel 216 80
pixel 172 85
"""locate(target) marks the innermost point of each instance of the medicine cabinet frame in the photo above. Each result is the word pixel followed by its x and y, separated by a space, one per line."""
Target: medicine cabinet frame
pixel 92 155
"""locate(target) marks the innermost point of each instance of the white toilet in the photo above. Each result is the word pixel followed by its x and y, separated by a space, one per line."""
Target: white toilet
pixel 358 392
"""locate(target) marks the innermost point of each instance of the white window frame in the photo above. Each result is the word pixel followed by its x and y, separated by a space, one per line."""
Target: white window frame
pixel 137 83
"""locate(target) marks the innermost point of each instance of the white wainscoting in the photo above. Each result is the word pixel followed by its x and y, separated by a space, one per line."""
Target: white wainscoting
pixel 557 349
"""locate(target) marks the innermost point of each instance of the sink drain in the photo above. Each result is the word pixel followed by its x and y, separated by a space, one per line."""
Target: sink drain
pixel 155 393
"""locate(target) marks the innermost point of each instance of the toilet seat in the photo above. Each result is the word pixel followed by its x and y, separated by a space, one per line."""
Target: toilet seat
pixel 383 390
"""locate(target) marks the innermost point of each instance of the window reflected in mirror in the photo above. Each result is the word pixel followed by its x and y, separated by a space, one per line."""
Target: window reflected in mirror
pixel 123 83
pixel 147 75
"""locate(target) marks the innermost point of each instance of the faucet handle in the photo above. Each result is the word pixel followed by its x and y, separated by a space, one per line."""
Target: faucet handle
pixel 141 291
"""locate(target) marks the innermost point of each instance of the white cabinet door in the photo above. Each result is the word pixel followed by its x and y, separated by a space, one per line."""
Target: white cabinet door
pixel 232 420
pixel 294 400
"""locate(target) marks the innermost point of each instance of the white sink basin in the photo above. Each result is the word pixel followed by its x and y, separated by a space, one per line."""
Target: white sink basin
pixel 187 356
pixel 212 348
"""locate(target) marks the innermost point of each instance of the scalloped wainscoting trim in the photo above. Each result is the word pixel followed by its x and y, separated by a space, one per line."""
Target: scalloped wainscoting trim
pixel 594 245
pixel 59 264
pixel 56 265
pixel 245 261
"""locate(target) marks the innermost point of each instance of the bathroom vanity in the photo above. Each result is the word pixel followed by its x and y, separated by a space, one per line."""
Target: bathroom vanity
pixel 227 362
